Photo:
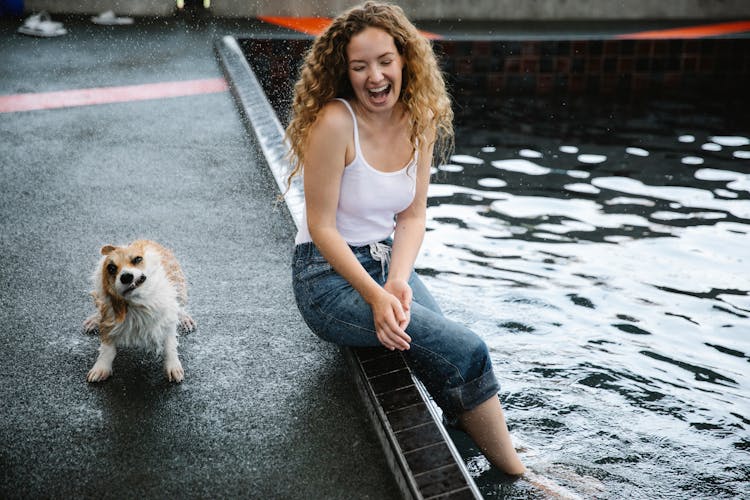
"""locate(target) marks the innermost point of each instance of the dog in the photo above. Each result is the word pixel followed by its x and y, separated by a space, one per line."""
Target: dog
pixel 140 295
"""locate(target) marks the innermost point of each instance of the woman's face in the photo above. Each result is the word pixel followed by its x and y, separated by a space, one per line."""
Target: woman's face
pixel 374 69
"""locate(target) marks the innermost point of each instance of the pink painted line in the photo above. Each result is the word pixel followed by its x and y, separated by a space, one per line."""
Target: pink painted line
pixel 106 95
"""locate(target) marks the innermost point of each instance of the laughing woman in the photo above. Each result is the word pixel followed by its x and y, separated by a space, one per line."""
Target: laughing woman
pixel 370 111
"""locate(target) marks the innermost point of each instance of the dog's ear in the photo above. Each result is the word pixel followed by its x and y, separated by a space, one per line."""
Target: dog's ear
pixel 107 249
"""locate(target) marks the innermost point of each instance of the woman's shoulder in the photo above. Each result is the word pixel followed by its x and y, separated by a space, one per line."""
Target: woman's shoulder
pixel 334 116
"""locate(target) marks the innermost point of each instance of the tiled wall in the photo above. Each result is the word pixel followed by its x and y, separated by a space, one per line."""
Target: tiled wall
pixel 489 71
pixel 623 67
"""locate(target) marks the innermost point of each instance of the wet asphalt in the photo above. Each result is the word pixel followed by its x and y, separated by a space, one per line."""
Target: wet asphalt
pixel 266 409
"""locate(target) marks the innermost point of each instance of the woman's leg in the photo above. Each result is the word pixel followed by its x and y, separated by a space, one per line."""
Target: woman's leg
pixel 451 360
pixel 486 426
pixel 485 423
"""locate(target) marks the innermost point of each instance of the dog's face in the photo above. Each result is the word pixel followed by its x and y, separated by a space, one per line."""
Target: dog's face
pixel 123 269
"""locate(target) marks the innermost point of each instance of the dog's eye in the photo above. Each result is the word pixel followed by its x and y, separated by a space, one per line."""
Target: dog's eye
pixel 137 260
pixel 112 269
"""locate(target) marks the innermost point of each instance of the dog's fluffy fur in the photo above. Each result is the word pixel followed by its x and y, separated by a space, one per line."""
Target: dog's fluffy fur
pixel 140 295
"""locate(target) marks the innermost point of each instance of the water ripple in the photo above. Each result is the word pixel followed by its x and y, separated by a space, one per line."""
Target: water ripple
pixel 616 307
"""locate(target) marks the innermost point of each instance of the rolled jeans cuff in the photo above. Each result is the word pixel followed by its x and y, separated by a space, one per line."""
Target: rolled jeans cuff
pixel 469 395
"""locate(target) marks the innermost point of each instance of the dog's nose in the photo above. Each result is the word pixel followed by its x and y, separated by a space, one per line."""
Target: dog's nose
pixel 126 278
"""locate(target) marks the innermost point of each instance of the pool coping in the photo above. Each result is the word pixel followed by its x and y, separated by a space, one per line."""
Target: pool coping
pixel 429 466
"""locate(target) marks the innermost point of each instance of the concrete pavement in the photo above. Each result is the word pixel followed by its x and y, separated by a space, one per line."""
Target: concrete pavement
pixel 266 410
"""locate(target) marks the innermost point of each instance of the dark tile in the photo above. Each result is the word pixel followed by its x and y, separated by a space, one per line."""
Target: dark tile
pixel 439 481
pixel 481 49
pixel 367 353
pixel 546 64
pixel 563 65
pixel 596 47
pixel 496 63
pixel 383 364
pixel 530 49
pixel 419 437
pixel 577 84
pixel 593 84
pixel 545 84
pixel 579 48
pixel 514 48
pixel 643 47
pixel 642 64
pixel 399 398
pixel 548 48
pixel 426 459
pixel 578 65
pixel 594 65
pixel 512 65
pixel 391 381
pixel 660 48
pixel 529 65
pixel 481 65
pixel 563 48
pixel 612 47
pixel 675 47
pixel 463 494
pixel 672 64
pixel 626 65
pixel 411 416
pixel 706 64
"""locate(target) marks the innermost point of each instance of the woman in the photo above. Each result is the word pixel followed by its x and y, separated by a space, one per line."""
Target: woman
pixel 370 109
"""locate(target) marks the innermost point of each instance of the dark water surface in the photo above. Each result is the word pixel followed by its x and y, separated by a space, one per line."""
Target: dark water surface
pixel 603 252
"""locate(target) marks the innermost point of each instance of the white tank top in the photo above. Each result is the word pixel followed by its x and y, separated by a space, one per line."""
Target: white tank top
pixel 369 199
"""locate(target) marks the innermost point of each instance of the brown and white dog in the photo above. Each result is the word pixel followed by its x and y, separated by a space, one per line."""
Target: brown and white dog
pixel 140 295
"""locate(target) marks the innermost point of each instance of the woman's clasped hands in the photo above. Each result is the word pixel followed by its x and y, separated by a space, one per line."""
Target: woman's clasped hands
pixel 391 314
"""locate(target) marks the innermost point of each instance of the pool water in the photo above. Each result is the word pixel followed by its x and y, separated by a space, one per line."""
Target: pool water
pixel 603 252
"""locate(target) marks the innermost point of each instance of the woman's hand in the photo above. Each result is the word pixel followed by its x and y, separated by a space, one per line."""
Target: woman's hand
pixel 402 291
pixel 390 321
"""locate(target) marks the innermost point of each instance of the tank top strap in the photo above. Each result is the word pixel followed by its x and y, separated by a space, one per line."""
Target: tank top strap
pixel 357 149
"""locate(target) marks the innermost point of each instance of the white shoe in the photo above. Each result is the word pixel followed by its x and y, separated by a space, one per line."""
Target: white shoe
pixel 110 19
pixel 42 25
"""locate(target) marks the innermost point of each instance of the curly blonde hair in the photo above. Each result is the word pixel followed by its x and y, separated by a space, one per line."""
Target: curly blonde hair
pixel 324 76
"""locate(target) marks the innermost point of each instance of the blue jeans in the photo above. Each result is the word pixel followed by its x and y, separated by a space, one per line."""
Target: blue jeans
pixel 451 361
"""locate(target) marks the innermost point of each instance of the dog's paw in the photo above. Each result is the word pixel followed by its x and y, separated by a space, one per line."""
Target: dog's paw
pixel 91 324
pixel 99 373
pixel 174 370
pixel 186 323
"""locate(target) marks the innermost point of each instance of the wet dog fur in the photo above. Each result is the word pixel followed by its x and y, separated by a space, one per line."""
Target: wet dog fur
pixel 140 295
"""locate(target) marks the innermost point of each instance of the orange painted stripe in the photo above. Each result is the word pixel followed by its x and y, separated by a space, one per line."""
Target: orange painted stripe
pixel 315 25
pixel 106 95
pixel 691 31
pixel 309 25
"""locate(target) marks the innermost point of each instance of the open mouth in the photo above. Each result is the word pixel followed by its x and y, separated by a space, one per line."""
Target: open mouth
pixel 134 285
pixel 381 92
